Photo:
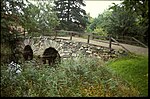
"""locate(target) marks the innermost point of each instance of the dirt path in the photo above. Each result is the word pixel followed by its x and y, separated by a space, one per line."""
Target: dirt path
pixel 131 48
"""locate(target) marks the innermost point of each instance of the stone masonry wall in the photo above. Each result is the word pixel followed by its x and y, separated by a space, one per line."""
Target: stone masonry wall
pixel 68 48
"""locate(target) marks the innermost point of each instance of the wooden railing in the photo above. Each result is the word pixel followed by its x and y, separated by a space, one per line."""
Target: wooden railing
pixel 119 44
pixel 71 33
pixel 110 39
pixel 131 41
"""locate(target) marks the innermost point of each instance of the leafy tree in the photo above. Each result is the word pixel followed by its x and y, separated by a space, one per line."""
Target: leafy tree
pixel 101 23
pixel 48 19
pixel 100 31
pixel 11 17
pixel 130 18
pixel 133 16
pixel 140 8
pixel 71 16
pixel 122 21
pixel 30 13
pixel 117 21
pixel 90 21
pixel 40 18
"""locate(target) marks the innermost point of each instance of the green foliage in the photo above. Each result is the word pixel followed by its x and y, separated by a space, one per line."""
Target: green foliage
pixel 130 18
pixel 5 52
pixel 99 31
pixel 122 22
pixel 90 21
pixel 102 21
pixel 140 8
pixel 11 15
pixel 73 77
pixel 99 26
pixel 40 18
pixel 30 12
pixel 134 69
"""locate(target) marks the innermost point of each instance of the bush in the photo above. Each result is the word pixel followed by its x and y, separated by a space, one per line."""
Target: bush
pixel 81 76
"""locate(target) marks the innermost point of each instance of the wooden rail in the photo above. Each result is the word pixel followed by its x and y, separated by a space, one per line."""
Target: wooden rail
pixel 139 42
pixel 88 36
pixel 120 44
pixel 126 41
pixel 110 38
pixel 110 43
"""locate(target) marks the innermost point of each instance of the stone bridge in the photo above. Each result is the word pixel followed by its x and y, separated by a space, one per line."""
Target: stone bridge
pixel 70 48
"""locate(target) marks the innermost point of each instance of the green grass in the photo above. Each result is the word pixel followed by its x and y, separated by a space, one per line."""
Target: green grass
pixel 134 69
pixel 80 77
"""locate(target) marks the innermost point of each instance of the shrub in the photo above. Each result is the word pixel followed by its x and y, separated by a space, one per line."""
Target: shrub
pixel 81 76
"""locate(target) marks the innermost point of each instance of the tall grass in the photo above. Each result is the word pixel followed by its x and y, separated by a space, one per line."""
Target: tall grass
pixel 134 69
pixel 82 77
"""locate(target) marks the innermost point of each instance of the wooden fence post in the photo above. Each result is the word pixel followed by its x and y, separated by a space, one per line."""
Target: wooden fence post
pixel 110 42
pixel 55 35
pixel 70 36
pixel 88 40
pixel 24 34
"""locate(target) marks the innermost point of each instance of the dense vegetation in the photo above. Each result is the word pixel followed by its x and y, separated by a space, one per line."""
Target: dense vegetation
pixel 40 19
pixel 78 77
pixel 130 18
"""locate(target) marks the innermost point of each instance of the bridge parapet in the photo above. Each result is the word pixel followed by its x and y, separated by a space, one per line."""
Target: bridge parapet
pixel 69 48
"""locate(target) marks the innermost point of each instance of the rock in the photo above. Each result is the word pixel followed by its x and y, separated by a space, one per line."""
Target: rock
pixel 91 55
pixel 113 52
pixel 95 54
pixel 90 52
pixel 74 54
pixel 81 48
pixel 117 52
pixel 86 49
pixel 113 56
pixel 71 43
pixel 98 48
pixel 89 48
pixel 77 55
pixel 85 45
pixel 65 56
pixel 99 57
pixel 58 40
pixel 66 51
pixel 83 51
pixel 73 50
pixel 121 51
pixel 67 42
pixel 105 53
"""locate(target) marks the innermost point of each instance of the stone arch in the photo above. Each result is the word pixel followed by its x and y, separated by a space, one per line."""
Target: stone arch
pixel 44 43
